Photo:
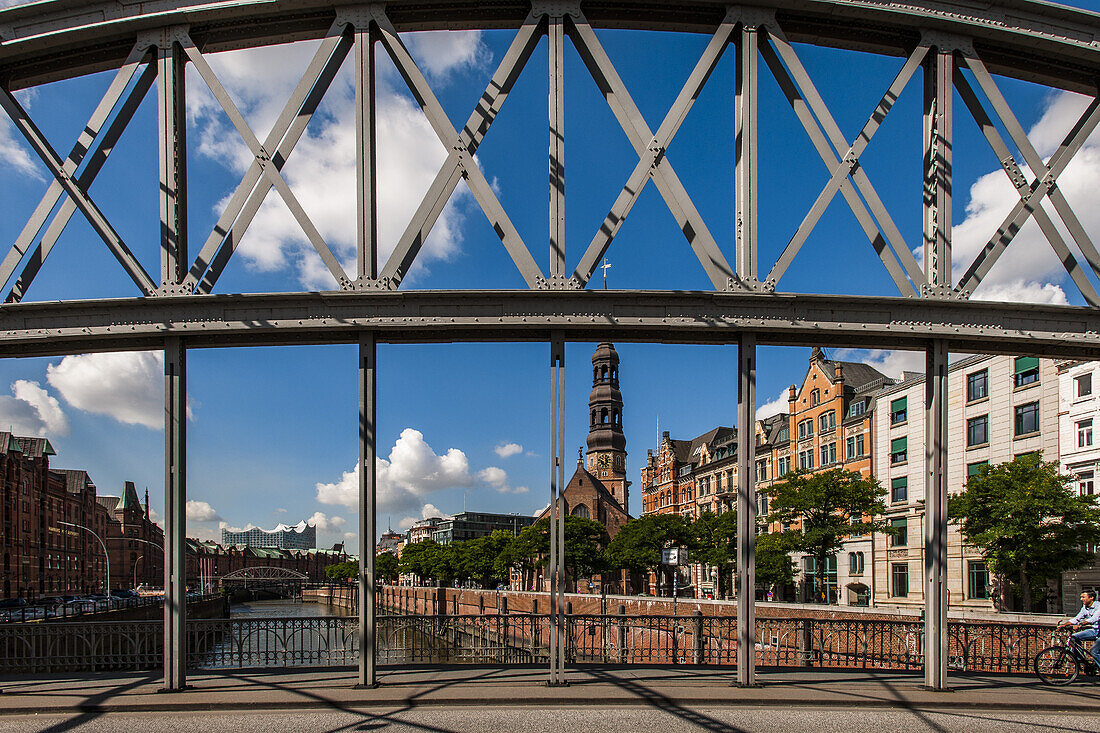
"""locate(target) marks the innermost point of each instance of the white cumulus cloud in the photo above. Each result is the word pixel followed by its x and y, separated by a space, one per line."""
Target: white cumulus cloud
pixel 31 410
pixel 325 523
pixel 321 171
pixel 427 511
pixel 776 406
pixel 127 386
pixel 504 450
pixel 1029 271
pixel 201 511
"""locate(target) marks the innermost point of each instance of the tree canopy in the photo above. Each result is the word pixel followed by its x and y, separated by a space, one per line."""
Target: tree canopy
pixel 637 546
pixel 828 506
pixel 1027 521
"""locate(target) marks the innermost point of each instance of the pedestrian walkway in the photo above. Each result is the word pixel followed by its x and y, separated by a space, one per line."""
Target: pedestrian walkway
pixel 667 688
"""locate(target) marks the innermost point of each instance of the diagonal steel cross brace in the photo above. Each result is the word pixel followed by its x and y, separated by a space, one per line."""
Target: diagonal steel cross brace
pixel 285 133
pixel 641 138
pixel 1031 201
pixel 849 162
pixel 649 156
pixel 263 158
pixel 1031 157
pixel 461 148
pixel 76 192
pixel 1020 182
pixel 825 135
pixel 85 160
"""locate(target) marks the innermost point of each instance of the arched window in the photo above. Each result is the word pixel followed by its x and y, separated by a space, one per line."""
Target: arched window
pixel 603 416
pixel 581 510
pixel 615 417
pixel 595 373
pixel 593 417
pixel 604 373
pixel 815 398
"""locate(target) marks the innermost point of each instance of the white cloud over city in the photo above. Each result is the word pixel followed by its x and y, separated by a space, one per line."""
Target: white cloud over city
pixel 31 410
pixel 413 472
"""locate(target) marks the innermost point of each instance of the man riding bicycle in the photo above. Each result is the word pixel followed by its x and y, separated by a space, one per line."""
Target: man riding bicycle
pixel 1087 624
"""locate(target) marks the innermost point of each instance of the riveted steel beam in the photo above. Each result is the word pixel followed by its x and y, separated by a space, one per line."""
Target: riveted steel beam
pixel 442 316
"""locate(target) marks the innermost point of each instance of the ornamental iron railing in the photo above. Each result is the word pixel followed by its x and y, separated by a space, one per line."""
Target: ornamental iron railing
pixel 515 639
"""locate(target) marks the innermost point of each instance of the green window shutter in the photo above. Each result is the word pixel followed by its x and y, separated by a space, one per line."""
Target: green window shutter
pixel 1026 363
pixel 897 445
pixel 899 483
pixel 899 404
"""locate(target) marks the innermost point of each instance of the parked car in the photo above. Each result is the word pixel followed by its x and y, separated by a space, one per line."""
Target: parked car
pixel 10 603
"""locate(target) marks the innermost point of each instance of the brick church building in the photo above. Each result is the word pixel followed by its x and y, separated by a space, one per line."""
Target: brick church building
pixel 599 489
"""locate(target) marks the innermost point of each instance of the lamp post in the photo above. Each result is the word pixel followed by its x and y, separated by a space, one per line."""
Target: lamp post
pixel 135 568
pixel 107 582
pixel 138 539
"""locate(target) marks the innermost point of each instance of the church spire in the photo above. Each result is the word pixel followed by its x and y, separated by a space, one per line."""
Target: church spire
pixel 606 442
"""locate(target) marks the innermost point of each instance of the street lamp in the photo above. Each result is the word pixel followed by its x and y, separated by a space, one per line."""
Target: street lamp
pixel 138 539
pixel 107 583
pixel 135 568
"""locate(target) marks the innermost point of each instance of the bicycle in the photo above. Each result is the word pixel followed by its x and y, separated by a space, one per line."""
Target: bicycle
pixel 1061 665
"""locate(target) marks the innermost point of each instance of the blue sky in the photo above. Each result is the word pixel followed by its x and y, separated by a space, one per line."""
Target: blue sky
pixel 273 431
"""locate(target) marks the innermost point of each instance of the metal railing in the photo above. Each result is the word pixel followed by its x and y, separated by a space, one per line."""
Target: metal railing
pixel 83 607
pixel 516 638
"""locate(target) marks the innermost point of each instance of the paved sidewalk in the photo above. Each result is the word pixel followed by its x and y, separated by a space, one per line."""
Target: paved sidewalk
pixel 665 688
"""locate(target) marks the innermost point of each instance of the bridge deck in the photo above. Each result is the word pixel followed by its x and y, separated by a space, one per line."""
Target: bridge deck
pixel 665 688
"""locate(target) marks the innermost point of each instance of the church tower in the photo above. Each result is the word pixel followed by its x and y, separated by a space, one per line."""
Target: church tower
pixel 606 443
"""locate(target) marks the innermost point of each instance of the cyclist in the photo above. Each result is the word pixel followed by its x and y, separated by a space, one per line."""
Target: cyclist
pixel 1087 624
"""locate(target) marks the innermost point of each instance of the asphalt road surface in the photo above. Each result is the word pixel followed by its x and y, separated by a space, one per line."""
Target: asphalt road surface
pixel 491 719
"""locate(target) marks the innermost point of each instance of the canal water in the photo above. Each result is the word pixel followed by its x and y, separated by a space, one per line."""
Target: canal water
pixel 286 609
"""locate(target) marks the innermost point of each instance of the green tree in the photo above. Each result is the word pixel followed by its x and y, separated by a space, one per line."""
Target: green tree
pixel 715 543
pixel 343 570
pixel 422 559
pixel 586 543
pixel 773 560
pixel 1027 521
pixel 385 567
pixel 637 545
pixel 481 559
pixel 830 506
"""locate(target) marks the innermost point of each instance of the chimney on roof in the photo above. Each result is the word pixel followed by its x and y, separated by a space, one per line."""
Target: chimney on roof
pixel 839 374
pixel 817 354
pixel 664 435
pixel 792 396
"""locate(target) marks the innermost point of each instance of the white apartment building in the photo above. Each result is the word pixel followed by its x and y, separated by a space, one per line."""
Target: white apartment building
pixel 1079 430
pixel 999 407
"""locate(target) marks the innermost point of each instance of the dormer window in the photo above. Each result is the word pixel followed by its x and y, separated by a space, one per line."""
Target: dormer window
pixel 815 397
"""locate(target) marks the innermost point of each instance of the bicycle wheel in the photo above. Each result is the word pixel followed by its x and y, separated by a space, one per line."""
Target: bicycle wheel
pixel 1056 666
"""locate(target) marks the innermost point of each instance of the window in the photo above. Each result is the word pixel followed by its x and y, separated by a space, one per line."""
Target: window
pixel 899 450
pixel 900 537
pixel 783 466
pixel 784 435
pixel 899 489
pixel 814 592
pixel 828 454
pixel 1027 418
pixel 973 469
pixel 899 579
pixel 1085 483
pixel 806 459
pixel 978 579
pixel 855 563
pixel 763 504
pixel 1084 433
pixel 898 413
pixel 856 521
pixel 857 408
pixel 977 385
pixel 1082 385
pixel 826 421
pixel 1027 371
pixel 815 398
pixel 806 429
pixel 977 431
pixel 762 470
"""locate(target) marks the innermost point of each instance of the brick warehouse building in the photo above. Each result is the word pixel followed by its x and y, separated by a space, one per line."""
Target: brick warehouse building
pixel 134 541
pixel 42 556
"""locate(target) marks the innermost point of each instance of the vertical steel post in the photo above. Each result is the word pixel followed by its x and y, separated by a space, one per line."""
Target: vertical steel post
pixel 366 169
pixel 555 36
pixel 172 130
pixel 175 520
pixel 746 510
pixel 557 508
pixel 935 524
pixel 368 521
pixel 938 98
pixel 746 152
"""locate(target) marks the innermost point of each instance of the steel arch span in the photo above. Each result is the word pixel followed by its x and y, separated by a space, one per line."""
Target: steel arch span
pixel 264 573
pixel 957 49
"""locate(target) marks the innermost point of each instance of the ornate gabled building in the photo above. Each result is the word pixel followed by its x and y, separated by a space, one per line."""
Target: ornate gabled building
pixel 134 541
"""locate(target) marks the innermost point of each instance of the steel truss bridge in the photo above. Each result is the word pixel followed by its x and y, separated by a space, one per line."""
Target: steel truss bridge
pixel 263 574
pixel 956 47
